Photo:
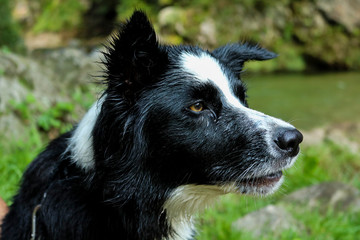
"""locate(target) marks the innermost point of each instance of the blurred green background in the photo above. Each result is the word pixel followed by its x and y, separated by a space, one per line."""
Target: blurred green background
pixel 49 51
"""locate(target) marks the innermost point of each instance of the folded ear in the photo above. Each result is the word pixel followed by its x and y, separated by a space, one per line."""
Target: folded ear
pixel 235 55
pixel 134 58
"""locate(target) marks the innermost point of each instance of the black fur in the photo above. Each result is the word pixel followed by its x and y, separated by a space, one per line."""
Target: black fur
pixel 146 142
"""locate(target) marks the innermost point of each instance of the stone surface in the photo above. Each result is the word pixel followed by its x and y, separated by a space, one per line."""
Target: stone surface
pixel 345 13
pixel 46 75
pixel 272 220
pixel 327 196
pixel 207 34
pixel 76 66
pixel 22 75
pixel 269 220
pixel 344 134
pixel 172 19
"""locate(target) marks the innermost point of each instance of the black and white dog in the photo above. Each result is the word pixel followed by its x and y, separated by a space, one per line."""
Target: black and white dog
pixel 171 133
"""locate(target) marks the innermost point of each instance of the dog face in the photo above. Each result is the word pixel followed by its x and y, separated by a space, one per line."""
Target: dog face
pixel 205 133
pixel 194 115
pixel 185 111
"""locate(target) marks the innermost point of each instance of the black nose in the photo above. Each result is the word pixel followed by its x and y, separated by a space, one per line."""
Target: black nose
pixel 288 140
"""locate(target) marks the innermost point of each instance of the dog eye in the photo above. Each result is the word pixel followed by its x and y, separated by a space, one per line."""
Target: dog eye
pixel 197 107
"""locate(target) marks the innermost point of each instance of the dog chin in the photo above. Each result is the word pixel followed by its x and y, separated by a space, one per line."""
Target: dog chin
pixel 262 186
pixel 266 182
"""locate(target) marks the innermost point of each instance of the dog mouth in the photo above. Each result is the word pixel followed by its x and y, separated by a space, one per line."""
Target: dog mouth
pixel 266 180
pixel 259 185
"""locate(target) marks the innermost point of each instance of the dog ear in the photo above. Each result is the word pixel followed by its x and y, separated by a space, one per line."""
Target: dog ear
pixel 134 58
pixel 235 55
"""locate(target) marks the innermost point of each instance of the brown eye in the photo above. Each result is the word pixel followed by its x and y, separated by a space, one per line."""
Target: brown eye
pixel 197 107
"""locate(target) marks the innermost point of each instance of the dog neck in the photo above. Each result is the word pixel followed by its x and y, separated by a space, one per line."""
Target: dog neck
pixel 185 202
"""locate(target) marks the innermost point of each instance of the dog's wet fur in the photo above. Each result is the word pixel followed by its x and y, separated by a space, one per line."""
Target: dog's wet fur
pixel 171 132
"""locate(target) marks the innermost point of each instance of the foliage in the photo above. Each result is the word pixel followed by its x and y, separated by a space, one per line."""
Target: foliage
pixel 15 155
pixel 57 15
pixel 297 30
pixel 43 124
pixel 50 119
pixel 54 117
pixel 126 7
pixel 24 108
pixel 9 30
pixel 54 120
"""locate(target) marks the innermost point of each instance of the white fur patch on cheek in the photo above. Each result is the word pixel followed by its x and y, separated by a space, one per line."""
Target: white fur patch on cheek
pixel 81 142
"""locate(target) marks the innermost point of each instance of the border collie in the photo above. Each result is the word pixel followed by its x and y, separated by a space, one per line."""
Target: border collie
pixel 171 132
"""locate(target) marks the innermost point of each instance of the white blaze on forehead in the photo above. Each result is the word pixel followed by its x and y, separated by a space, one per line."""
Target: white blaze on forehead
pixel 207 68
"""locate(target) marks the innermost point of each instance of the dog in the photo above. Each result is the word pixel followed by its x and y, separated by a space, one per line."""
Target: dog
pixel 171 132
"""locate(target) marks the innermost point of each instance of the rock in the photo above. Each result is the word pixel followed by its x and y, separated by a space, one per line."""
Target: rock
pixel 344 134
pixel 345 13
pixel 327 196
pixel 173 18
pixel 314 136
pixel 46 76
pixel 21 76
pixel 207 34
pixel 339 137
pixel 272 220
pixel 76 66
pixel 269 220
pixel 316 21
pixel 280 15
pixel 46 39
pixel 307 21
pixel 22 12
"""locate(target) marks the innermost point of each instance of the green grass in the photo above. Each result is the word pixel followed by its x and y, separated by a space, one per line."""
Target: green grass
pixel 42 124
pixel 14 158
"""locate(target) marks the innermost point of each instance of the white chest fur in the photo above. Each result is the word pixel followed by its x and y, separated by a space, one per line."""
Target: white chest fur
pixel 187 200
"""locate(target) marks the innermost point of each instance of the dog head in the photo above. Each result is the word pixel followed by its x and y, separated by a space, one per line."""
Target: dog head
pixel 179 116
pixel 192 110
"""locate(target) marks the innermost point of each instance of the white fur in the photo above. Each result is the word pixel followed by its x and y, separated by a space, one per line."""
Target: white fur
pixel 81 142
pixel 207 69
pixel 186 201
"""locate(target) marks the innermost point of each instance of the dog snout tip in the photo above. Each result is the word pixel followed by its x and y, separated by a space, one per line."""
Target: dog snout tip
pixel 288 140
